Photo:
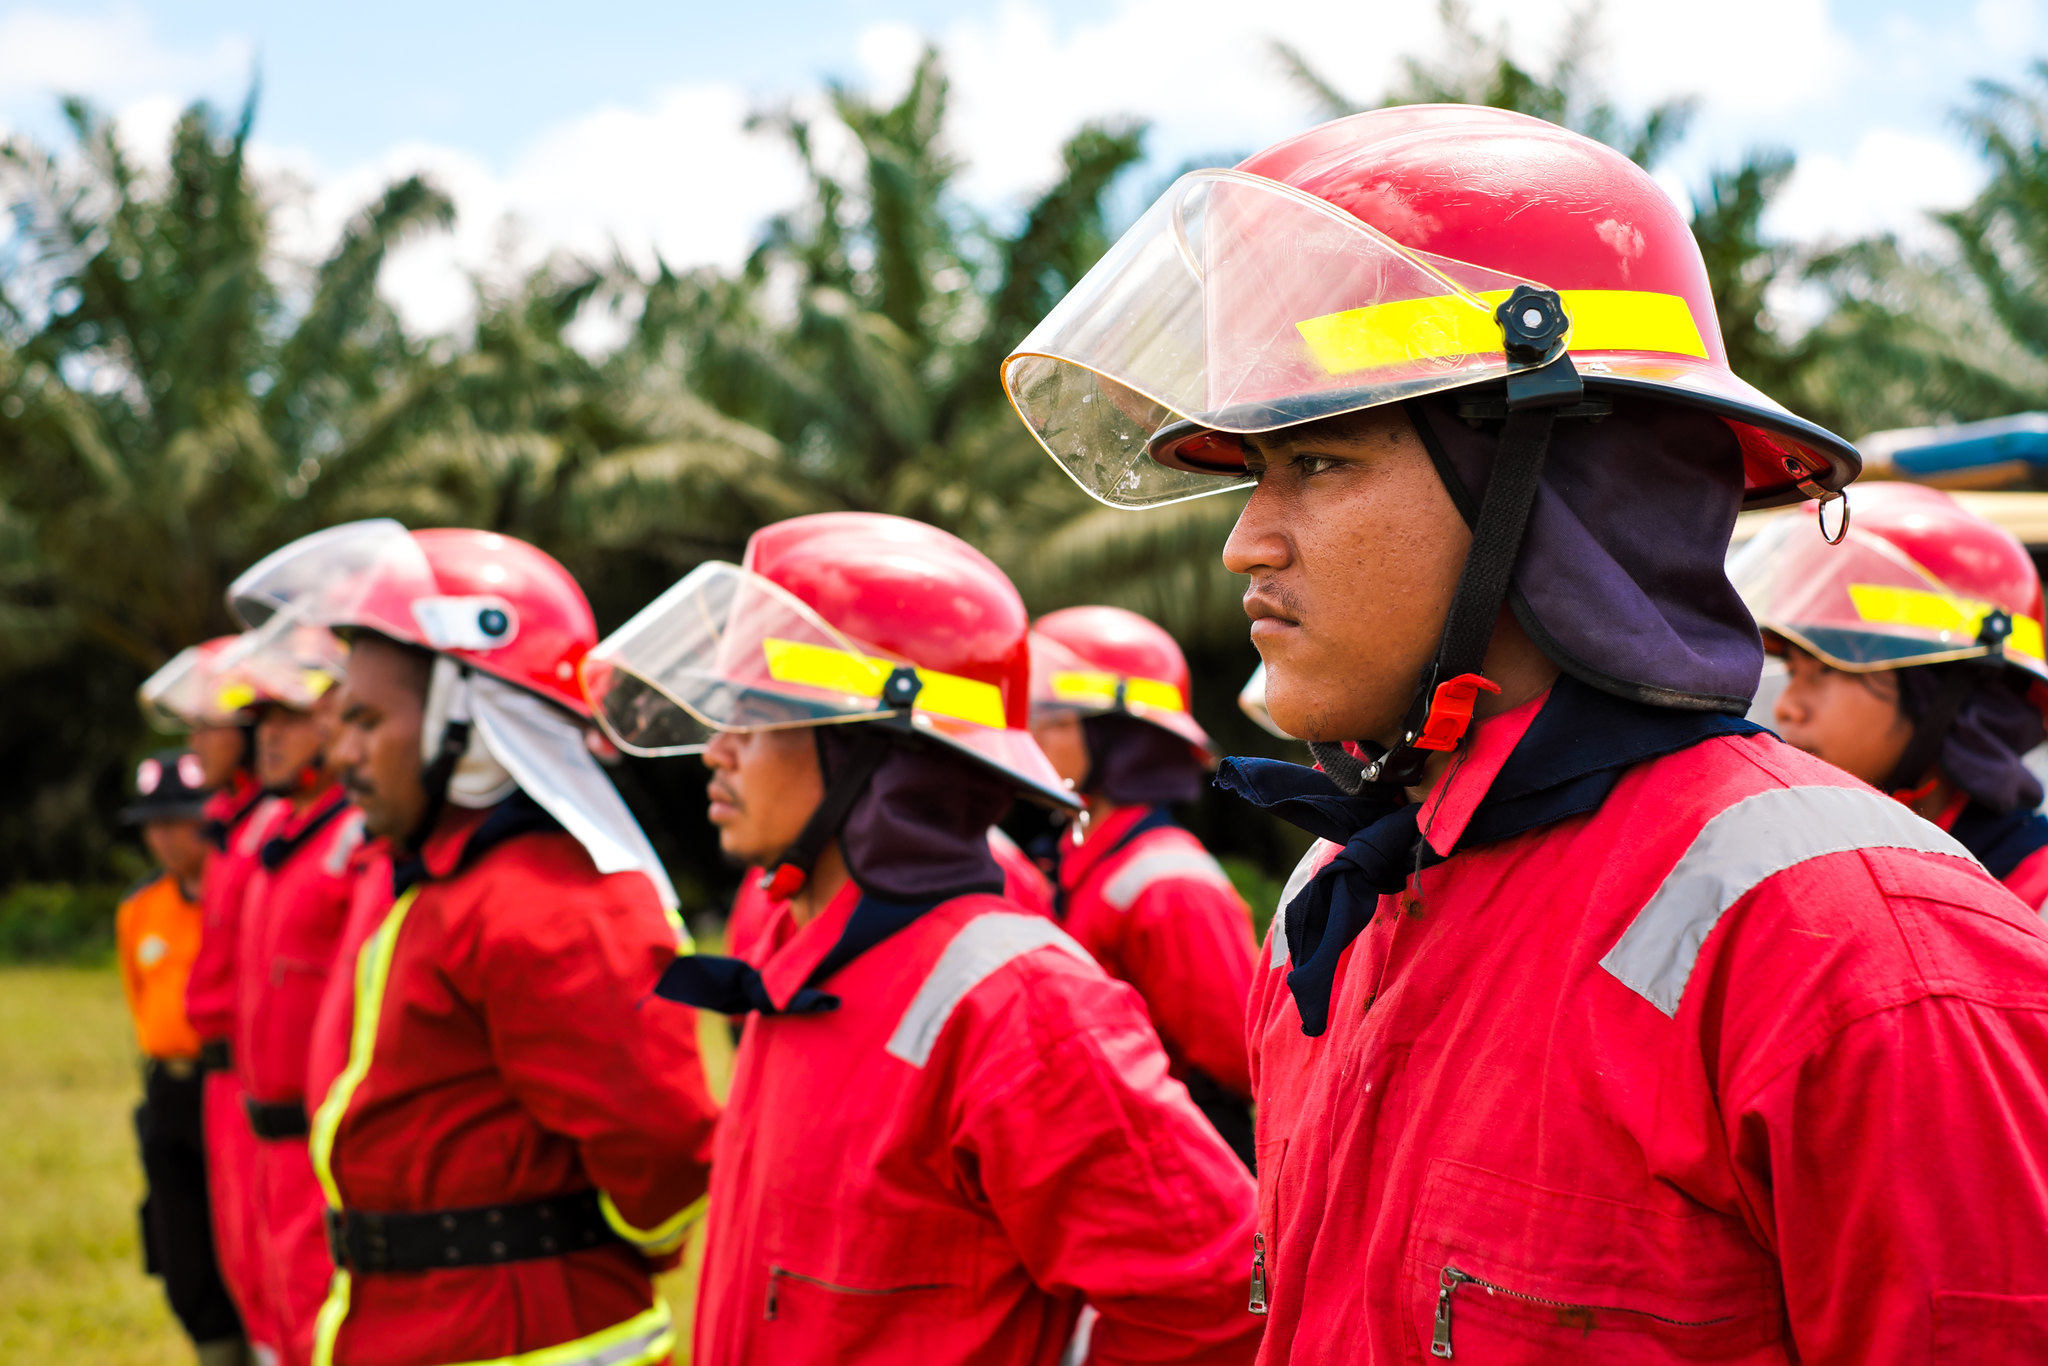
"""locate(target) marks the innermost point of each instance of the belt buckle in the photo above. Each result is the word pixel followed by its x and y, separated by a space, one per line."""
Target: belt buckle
pixel 337 1238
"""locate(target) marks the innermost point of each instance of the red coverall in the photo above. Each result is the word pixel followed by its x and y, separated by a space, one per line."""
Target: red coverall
pixel 291 925
pixel 1161 914
pixel 210 1006
pixel 982 1136
pixel 496 1050
pixel 1728 1069
pixel 753 913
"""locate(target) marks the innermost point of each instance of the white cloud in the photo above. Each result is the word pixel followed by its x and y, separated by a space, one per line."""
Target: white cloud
pixel 678 178
pixel 112 55
pixel 1889 183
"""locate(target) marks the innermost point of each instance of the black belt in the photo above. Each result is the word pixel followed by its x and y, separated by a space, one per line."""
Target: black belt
pixel 215 1056
pixel 287 1120
pixel 484 1235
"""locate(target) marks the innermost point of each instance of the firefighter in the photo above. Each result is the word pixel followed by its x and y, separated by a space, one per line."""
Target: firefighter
pixel 1109 705
pixel 1913 657
pixel 508 1143
pixel 156 938
pixel 290 923
pixel 205 691
pixel 949 1130
pixel 1626 1032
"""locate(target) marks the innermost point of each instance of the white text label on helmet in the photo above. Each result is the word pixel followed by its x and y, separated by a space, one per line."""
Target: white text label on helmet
pixel 465 623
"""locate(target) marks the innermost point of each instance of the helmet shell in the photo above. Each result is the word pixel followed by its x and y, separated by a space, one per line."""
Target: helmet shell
pixel 1911 584
pixel 1138 651
pixel 548 626
pixel 913 593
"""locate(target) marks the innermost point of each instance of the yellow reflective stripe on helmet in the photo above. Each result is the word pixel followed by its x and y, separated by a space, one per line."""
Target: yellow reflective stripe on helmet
pixel 645 1338
pixel 1153 693
pixel 373 972
pixel 1087 687
pixel 1886 605
pixel 835 670
pixel 235 696
pixel 665 1237
pixel 1386 334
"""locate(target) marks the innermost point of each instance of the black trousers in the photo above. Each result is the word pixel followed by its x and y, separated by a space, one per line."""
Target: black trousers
pixel 177 1228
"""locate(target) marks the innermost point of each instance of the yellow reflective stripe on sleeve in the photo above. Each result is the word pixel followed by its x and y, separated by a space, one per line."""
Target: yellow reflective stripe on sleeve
pixel 665 1237
pixel 373 972
pixel 645 1338
pixel 1886 605
pixel 1450 325
pixel 835 670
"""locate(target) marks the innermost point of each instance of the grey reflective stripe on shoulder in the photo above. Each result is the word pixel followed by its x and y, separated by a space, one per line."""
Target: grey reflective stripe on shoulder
pixel 1752 840
pixel 1134 877
pixel 1296 880
pixel 983 946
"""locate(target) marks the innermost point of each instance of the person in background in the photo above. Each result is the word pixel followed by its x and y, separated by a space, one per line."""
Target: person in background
pixel 156 934
pixel 949 1131
pixel 291 921
pixel 511 1137
pixel 1913 656
pixel 204 691
pixel 1109 706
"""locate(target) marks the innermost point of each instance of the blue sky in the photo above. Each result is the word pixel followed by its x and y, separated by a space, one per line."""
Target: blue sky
pixel 599 125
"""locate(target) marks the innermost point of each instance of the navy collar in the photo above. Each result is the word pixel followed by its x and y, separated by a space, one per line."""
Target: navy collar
pixel 1570 758
pixel 2000 842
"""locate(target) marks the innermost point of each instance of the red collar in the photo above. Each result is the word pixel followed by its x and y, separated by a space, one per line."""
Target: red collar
pixel 1448 808
pixel 331 796
pixel 802 949
pixel 1077 861
pixel 442 852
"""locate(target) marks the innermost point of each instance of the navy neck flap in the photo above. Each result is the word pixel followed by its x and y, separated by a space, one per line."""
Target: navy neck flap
pixel 2001 842
pixel 278 848
pixel 1573 753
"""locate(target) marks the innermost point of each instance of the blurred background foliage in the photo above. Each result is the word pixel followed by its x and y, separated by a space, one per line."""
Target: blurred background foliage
pixel 177 397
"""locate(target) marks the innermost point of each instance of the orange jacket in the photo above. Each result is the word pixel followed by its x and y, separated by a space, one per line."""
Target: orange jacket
pixel 156 936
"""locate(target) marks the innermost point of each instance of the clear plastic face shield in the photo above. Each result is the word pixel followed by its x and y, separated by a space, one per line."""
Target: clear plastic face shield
pixel 184 694
pixel 1865 605
pixel 728 650
pixel 1242 305
pixel 364 574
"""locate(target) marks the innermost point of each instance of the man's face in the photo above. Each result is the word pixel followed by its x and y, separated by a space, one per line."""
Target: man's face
pixel 177 846
pixel 286 742
pixel 763 789
pixel 1059 734
pixel 376 747
pixel 1851 720
pixel 220 753
pixel 1354 548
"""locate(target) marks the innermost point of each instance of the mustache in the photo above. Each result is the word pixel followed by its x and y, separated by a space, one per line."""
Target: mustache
pixel 1277 594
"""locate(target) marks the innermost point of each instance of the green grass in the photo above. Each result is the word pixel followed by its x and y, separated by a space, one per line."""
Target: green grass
pixel 71 1282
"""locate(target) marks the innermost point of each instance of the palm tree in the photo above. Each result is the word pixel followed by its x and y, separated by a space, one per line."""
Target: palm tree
pixel 164 419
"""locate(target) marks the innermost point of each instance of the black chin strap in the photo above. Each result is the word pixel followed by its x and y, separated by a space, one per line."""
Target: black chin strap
pixel 1930 732
pixel 1542 381
pixel 793 869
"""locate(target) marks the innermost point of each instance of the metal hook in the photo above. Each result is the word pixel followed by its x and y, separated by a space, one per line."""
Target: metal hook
pixel 1820 516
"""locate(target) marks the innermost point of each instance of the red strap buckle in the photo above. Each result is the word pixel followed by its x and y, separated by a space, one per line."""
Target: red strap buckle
pixel 1450 711
pixel 785 882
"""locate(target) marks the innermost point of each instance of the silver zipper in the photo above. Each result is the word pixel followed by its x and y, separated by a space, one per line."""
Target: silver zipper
pixel 777 1274
pixel 1258 1305
pixel 1452 1278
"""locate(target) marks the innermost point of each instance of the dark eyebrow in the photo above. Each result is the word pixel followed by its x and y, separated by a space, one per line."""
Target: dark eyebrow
pixel 353 713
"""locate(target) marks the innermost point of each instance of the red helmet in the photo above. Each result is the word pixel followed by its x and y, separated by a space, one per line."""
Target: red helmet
pixel 493 602
pixel 1093 660
pixel 832 618
pixel 1918 579
pixel 1368 261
